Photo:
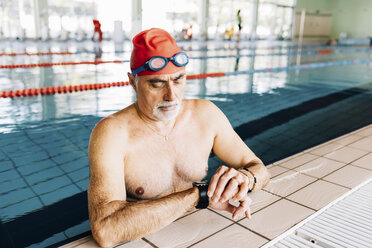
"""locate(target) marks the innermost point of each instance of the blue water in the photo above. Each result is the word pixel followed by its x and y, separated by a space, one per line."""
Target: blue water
pixel 43 140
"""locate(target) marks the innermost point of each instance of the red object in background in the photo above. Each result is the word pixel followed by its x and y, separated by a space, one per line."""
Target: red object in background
pixel 325 51
pixel 97 29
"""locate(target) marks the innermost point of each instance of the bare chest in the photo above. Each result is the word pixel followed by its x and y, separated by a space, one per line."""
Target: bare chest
pixel 155 167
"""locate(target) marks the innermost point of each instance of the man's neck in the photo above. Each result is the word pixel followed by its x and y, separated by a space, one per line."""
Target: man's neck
pixel 157 124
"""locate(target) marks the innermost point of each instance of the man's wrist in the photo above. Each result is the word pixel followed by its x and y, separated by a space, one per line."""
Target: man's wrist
pixel 252 178
pixel 203 197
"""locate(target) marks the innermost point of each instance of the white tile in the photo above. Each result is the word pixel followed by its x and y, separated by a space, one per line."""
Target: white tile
pixel 91 243
pixel 327 148
pixel 87 241
pixel 139 243
pixel 234 236
pixel 366 131
pixel 365 162
pixel 276 170
pixel 189 212
pixel 348 139
pixel 337 138
pixel 261 199
pixel 314 147
pixel 298 160
pixel 189 229
pixel 270 165
pixel 318 194
pixel 288 183
pixel 277 218
pixel 287 158
pixel 349 176
pixel 226 214
pixel 346 154
pixel 363 144
pixel 356 132
pixel 319 167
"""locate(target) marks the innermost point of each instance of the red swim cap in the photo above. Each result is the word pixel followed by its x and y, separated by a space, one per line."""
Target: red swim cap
pixel 150 43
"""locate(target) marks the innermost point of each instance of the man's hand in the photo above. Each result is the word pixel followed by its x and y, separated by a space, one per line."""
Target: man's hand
pixel 230 184
pixel 237 212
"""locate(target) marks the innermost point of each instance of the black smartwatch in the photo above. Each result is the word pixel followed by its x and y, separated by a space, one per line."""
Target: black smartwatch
pixel 203 197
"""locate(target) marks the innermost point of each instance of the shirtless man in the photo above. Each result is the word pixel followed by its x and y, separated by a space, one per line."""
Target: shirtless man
pixel 155 149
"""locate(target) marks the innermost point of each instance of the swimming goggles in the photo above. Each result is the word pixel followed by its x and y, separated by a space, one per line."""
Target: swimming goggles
pixel 157 63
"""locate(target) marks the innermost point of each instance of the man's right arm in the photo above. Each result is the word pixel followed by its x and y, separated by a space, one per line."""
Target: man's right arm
pixel 112 218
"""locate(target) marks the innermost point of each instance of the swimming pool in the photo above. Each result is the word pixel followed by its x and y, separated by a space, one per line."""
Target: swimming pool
pixel 43 140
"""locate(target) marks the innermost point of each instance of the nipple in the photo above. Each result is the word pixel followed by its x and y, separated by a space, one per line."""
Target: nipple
pixel 140 191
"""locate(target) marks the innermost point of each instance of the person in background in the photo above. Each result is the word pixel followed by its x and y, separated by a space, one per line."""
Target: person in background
pixel 97 30
pixel 239 18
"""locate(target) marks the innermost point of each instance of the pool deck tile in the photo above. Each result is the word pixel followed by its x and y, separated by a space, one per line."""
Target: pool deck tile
pixel 300 185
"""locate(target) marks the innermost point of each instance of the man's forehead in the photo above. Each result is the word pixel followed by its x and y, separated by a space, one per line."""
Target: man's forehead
pixel 163 77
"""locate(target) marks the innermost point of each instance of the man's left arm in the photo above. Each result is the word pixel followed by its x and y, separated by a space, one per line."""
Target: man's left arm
pixel 247 172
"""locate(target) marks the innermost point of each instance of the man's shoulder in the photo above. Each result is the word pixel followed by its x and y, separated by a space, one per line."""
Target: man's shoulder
pixel 203 110
pixel 115 124
pixel 200 105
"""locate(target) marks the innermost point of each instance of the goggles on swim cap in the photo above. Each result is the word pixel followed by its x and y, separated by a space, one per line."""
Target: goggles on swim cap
pixel 157 63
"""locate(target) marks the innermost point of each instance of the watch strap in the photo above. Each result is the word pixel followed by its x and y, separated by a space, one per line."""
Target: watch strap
pixel 254 178
pixel 203 197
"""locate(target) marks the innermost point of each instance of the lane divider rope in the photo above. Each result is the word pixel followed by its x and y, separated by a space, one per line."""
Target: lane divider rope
pixel 60 63
pixel 84 87
pixel 36 54
pixel 355 50
pixel 185 48
pixel 289 47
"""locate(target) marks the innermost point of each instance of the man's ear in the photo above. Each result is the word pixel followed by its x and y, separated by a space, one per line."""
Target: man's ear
pixel 132 81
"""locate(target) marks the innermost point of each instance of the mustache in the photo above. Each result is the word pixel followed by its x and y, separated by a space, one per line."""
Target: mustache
pixel 167 104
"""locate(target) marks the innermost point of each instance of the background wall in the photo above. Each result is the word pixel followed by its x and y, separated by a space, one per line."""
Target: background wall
pixel 315 4
pixel 353 17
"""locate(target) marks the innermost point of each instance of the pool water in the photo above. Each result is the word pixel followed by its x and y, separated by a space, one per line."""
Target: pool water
pixel 43 140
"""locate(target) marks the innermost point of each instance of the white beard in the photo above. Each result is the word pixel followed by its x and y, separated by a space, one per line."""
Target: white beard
pixel 166 115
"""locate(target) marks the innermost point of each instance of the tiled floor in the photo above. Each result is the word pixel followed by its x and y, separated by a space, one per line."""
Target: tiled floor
pixel 300 185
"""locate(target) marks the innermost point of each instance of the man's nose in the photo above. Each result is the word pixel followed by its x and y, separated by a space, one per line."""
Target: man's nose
pixel 170 94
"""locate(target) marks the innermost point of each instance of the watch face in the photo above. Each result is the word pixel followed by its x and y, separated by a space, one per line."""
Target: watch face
pixel 200 183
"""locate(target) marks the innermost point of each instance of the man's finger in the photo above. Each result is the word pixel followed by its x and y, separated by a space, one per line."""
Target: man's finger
pixel 239 212
pixel 231 190
pixel 230 208
pixel 243 190
pixel 215 178
pixel 222 182
pixel 248 213
pixel 244 206
pixel 226 206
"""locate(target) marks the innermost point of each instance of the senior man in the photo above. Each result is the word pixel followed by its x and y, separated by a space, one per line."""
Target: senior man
pixel 147 160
